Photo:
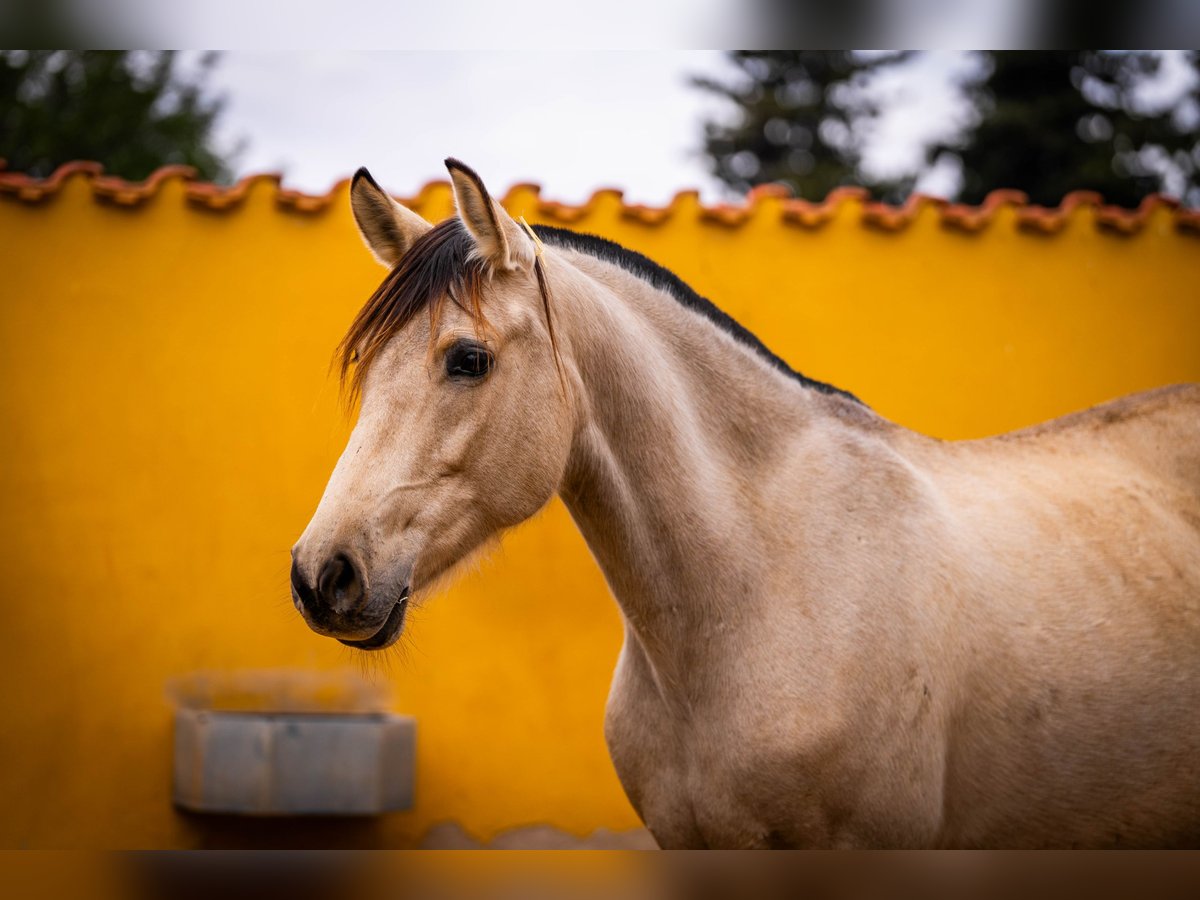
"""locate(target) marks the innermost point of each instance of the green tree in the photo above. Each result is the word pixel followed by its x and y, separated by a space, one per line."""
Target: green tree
pixel 133 111
pixel 793 119
pixel 1047 123
pixel 1057 121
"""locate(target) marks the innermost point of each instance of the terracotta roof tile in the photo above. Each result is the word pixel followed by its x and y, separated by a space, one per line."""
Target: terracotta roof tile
pixel 297 201
pixel 657 215
pixel 790 209
pixel 1129 221
pixel 212 196
pixel 813 215
pixel 33 190
pixel 976 218
pixel 132 193
pixel 893 218
pixel 569 215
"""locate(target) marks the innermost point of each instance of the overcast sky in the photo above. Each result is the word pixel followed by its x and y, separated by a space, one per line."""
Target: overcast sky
pixel 572 121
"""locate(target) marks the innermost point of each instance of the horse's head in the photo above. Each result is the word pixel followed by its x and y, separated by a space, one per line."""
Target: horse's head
pixel 464 425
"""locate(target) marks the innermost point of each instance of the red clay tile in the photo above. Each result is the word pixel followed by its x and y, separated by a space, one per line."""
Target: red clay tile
pixel 792 210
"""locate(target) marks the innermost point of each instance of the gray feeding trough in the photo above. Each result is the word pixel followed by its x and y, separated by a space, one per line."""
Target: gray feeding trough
pixel 289 743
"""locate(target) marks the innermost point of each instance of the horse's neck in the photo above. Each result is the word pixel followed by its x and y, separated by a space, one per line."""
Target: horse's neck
pixel 670 478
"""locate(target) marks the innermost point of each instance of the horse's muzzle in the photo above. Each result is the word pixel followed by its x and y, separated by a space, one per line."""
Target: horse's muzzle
pixel 339 605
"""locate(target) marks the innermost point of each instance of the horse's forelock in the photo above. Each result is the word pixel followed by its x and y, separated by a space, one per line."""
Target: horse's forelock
pixel 439 265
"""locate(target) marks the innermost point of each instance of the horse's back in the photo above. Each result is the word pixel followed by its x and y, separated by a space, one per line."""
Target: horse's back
pixel 1080 566
pixel 1159 430
pixel 1115 488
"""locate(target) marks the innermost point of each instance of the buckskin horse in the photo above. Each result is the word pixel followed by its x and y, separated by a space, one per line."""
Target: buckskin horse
pixel 838 632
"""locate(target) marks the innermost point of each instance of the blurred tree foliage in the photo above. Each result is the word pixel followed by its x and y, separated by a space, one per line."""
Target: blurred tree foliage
pixel 793 119
pixel 133 111
pixel 1057 121
pixel 1047 122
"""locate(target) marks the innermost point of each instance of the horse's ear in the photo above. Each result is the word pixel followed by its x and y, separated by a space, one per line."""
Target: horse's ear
pixel 498 238
pixel 388 228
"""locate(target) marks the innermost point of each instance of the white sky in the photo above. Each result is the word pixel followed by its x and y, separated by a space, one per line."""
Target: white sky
pixel 572 121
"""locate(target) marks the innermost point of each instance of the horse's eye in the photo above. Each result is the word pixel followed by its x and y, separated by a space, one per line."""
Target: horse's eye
pixel 467 360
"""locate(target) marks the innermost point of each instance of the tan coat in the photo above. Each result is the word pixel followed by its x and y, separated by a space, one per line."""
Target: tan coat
pixel 837 632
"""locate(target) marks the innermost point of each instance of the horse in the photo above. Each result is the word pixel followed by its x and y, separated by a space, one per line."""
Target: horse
pixel 837 632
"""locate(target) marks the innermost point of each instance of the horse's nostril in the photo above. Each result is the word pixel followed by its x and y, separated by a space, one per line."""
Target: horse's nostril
pixel 339 585
pixel 301 590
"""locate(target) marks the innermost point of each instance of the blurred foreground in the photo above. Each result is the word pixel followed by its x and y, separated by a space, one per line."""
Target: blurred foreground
pixel 610 876
pixel 671 23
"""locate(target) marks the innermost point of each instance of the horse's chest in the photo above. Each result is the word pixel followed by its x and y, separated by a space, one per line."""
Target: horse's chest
pixel 691 793
pixel 662 782
pixel 728 777
pixel 676 774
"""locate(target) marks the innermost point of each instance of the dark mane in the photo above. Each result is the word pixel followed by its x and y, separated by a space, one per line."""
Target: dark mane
pixel 666 280
pixel 440 266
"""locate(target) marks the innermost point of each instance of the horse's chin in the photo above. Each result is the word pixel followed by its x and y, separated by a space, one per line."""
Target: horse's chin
pixel 389 632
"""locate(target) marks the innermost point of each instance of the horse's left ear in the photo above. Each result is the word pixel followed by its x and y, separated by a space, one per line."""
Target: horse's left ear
pixel 498 238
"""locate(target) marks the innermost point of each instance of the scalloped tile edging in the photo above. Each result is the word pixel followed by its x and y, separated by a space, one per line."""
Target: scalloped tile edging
pixel 791 210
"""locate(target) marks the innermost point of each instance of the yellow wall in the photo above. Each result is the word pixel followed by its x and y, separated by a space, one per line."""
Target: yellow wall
pixel 167 424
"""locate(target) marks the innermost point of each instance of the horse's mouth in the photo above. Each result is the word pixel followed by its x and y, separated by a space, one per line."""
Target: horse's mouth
pixel 388 632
